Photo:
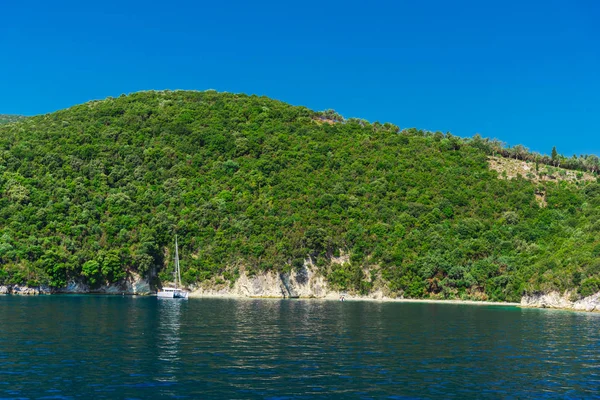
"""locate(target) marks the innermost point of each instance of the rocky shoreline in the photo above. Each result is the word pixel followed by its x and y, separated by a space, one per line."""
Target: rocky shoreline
pixel 133 284
pixel 563 301
pixel 305 283
pixel 24 290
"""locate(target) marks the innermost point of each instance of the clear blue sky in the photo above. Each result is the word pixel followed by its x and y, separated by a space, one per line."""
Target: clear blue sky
pixel 524 72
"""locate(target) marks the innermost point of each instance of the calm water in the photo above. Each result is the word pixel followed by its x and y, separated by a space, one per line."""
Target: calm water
pixel 56 347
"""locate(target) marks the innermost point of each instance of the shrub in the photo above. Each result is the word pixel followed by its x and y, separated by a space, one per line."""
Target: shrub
pixel 589 287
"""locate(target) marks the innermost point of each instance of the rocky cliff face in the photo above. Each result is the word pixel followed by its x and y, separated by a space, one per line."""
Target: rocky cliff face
pixel 557 300
pixel 305 283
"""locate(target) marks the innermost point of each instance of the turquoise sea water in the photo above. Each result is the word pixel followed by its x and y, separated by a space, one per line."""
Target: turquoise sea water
pixel 92 347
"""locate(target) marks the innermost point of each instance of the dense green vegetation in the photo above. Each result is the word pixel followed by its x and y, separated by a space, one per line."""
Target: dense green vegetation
pixel 6 118
pixel 98 191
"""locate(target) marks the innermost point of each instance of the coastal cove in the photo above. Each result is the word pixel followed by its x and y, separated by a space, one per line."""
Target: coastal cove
pixel 143 347
pixel 273 200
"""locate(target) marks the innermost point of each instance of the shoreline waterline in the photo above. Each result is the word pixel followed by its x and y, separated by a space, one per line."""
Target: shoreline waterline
pixel 352 299
pixel 229 296
pixel 328 298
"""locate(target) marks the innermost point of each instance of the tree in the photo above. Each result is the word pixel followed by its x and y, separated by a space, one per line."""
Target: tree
pixel 520 152
pixel 16 192
pixel 91 270
pixel 554 156
pixel 592 163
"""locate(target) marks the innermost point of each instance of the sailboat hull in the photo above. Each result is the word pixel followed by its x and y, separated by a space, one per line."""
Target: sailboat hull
pixel 172 294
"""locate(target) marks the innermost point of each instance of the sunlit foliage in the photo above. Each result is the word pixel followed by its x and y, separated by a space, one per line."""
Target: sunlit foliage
pixel 99 190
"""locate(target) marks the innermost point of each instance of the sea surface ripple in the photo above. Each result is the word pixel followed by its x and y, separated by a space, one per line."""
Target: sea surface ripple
pixel 98 347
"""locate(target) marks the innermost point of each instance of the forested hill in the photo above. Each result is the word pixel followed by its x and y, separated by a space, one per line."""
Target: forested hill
pixel 6 118
pixel 99 190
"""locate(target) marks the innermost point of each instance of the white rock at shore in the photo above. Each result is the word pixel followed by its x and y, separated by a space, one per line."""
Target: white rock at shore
pixel 305 283
pixel 557 300
pixel 133 284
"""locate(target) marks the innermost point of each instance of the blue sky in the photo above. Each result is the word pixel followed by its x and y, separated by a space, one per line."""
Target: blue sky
pixel 525 72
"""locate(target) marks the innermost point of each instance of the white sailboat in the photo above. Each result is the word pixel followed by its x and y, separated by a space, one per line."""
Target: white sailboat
pixel 174 292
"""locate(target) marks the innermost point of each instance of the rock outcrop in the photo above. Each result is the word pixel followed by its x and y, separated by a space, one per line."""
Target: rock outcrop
pixel 563 301
pixel 303 283
pixel 133 284
pixel 24 290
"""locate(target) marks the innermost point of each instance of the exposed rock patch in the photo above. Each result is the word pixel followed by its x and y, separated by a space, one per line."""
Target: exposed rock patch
pixel 305 283
pixel 509 168
pixel 133 284
pixel 24 290
pixel 556 300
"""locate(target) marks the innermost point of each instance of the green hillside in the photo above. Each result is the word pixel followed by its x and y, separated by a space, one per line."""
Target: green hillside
pixel 99 190
pixel 5 118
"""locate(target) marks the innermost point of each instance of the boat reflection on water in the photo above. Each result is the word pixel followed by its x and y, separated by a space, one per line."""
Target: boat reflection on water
pixel 169 339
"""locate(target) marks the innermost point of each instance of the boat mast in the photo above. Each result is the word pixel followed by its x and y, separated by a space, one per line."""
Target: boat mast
pixel 177 270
